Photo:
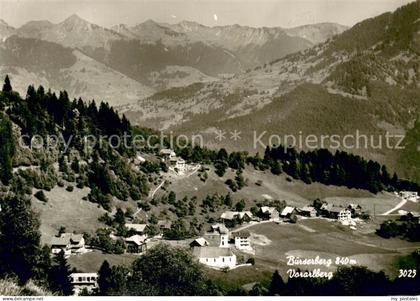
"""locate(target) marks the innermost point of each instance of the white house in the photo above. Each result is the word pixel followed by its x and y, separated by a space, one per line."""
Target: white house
pixel 69 243
pixel 344 215
pixel 242 240
pixel 215 257
pixel 81 281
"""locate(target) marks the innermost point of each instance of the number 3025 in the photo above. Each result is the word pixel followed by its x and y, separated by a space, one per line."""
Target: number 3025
pixel 407 274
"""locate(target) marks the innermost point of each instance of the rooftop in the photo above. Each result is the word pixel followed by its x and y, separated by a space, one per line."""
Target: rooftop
pixel 211 252
pixel 308 208
pixel 84 275
pixel 229 215
pixel 287 210
pixel 265 209
pixel 166 151
pixel 136 227
pixel 201 241
pixel 243 234
pixel 213 239
pixel 137 239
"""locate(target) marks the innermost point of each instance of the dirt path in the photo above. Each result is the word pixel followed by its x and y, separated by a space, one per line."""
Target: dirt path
pixel 156 189
pixel 398 206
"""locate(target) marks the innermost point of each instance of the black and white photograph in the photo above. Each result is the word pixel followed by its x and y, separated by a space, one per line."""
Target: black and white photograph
pixel 246 148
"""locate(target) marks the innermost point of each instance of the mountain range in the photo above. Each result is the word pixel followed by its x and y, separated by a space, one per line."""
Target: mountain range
pixel 144 58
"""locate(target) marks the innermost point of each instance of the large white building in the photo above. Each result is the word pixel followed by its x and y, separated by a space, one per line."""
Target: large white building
pixel 242 240
pixel 344 215
pixel 80 281
pixel 215 257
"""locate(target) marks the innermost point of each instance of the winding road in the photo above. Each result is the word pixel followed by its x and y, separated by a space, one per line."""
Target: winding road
pixel 398 206
pixel 156 189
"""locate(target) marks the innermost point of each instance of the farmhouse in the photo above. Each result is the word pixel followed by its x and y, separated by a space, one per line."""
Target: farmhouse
pixel 199 242
pixel 69 243
pixel 269 213
pixel 245 216
pixel 288 212
pixel 136 244
pixel 215 257
pixel 137 228
pixel 80 281
pixel 308 211
pixel 218 236
pixel 242 240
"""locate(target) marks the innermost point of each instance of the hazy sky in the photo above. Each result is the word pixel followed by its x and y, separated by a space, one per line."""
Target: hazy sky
pixel 284 13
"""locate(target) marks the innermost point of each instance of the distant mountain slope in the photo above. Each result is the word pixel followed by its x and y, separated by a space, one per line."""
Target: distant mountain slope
pixel 256 46
pixel 317 33
pixel 5 30
pixel 73 32
pixel 94 80
pixel 152 32
pixel 234 37
pixel 146 49
pixel 211 50
pixel 32 61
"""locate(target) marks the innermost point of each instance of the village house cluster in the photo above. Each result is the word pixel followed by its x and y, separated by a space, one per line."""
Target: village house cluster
pixel 219 247
pixel 411 196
